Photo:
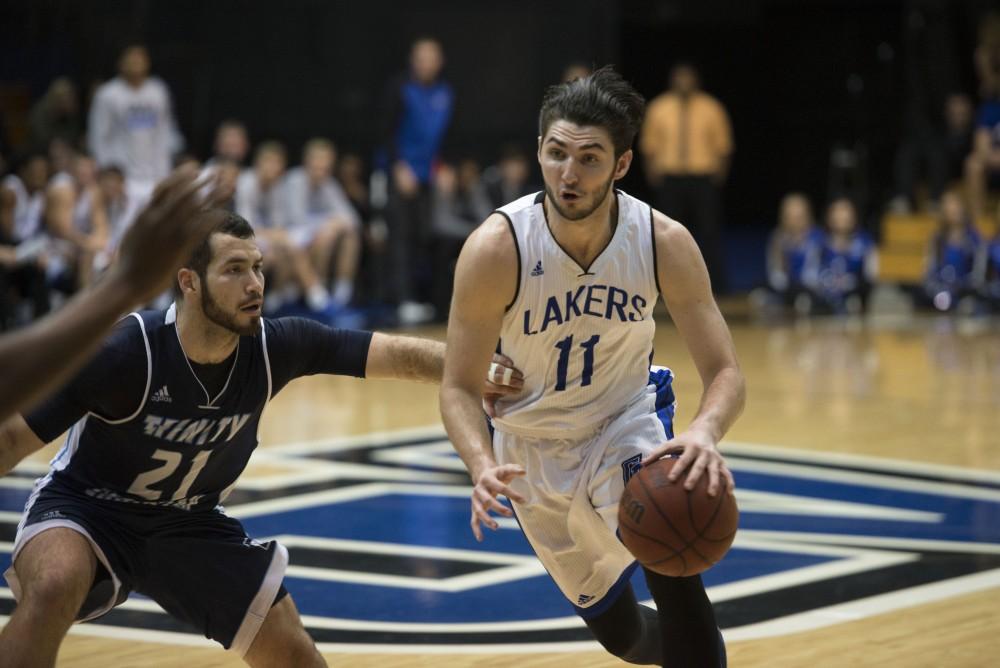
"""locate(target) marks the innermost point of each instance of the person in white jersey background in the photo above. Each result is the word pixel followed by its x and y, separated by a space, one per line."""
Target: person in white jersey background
pixel 132 126
pixel 566 281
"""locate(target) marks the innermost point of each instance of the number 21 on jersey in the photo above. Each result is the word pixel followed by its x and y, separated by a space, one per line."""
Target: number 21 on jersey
pixel 562 366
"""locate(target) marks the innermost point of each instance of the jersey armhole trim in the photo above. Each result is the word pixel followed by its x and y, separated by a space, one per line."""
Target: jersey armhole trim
pixel 517 247
pixel 149 376
pixel 656 266
pixel 267 359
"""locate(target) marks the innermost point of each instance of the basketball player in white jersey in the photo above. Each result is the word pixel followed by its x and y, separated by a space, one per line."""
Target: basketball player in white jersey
pixel 566 281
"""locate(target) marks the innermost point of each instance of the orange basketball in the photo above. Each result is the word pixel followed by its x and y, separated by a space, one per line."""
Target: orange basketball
pixel 671 530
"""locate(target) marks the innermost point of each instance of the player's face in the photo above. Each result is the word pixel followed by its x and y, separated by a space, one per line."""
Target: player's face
pixel 579 167
pixel 233 291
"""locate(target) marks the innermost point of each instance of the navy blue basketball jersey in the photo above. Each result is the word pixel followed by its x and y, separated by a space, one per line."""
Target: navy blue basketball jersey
pixel 147 428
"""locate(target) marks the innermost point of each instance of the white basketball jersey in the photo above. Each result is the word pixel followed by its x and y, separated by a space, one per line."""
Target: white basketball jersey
pixel 582 336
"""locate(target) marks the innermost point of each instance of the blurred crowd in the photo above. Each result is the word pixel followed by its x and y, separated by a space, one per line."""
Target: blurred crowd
pixel 947 166
pixel 347 238
pixel 351 238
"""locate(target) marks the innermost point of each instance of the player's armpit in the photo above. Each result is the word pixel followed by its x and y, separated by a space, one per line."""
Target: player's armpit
pixel 17 441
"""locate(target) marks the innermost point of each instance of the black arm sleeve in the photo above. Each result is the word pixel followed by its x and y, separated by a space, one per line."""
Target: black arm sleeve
pixel 299 347
pixel 112 385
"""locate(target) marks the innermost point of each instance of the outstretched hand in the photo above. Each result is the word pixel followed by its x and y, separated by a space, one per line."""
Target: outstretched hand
pixel 165 233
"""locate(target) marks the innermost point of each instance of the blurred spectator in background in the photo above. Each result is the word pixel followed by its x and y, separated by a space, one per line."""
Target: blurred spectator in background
pixel 231 143
pixel 322 220
pixel 929 75
pixel 988 274
pixel 56 116
pixel 510 178
pixel 225 174
pixel 577 70
pixel 959 127
pixel 75 216
pixel 791 243
pixel 987 56
pixel 841 269
pixel 23 289
pixel 459 205
pixel 262 198
pixel 132 124
pixel 417 112
pixel 120 207
pixel 261 195
pixel 354 178
pixel 982 167
pixel 687 142
pixel 951 257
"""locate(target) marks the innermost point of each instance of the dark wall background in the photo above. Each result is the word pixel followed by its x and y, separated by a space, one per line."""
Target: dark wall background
pixel 799 77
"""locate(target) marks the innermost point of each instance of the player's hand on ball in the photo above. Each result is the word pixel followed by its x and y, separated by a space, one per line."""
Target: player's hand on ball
pixel 501 380
pixel 698 455
pixel 492 481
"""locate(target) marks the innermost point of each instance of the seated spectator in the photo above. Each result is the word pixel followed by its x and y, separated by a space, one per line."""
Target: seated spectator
pixel 231 143
pixel 510 178
pixel 23 289
pixel 322 219
pixel 120 208
pixel 840 269
pixel 372 285
pixel 789 246
pixel 951 257
pixel 262 198
pixel 459 203
pixel 56 115
pixel 75 216
pixel 988 274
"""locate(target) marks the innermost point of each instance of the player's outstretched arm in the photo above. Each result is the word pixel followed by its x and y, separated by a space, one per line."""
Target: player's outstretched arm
pixel 422 360
pixel 687 293
pixel 39 358
pixel 485 282
pixel 17 441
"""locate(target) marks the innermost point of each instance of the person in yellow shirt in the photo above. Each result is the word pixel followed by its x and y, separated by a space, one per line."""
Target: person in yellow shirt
pixel 687 142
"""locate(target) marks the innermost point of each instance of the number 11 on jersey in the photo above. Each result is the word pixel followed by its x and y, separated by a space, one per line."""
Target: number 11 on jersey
pixel 565 346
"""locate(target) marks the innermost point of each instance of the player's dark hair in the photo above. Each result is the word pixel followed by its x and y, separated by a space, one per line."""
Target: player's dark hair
pixel 229 223
pixel 603 99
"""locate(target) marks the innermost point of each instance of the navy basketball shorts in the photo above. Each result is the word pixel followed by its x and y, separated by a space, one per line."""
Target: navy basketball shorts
pixel 199 566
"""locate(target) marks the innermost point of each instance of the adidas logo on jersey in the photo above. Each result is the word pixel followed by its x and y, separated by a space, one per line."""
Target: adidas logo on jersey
pixel 538 271
pixel 584 599
pixel 162 395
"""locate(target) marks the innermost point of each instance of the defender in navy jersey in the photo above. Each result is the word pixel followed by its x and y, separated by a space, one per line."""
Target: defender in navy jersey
pixel 566 280
pixel 161 424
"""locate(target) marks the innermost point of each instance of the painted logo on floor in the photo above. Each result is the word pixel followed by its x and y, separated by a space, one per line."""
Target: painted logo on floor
pixel 381 553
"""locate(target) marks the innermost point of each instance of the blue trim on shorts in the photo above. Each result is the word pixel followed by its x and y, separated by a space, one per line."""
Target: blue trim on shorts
pixel 663 380
pixel 616 590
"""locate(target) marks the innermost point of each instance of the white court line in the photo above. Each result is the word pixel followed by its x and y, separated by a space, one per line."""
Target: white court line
pixel 867 607
pixel 844 459
pixel 811 472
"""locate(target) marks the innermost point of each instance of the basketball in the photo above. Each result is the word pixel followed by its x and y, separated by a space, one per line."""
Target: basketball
pixel 671 530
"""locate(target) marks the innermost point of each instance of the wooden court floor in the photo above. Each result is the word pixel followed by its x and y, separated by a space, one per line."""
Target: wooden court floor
pixel 919 391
